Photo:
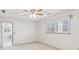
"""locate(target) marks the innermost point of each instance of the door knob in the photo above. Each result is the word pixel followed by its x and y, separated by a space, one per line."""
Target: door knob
pixel 14 33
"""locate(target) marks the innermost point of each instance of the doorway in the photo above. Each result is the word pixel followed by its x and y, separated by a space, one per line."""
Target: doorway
pixel 7 34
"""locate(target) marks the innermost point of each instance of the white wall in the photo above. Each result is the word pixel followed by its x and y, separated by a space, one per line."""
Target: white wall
pixel 25 30
pixel 0 34
pixel 62 41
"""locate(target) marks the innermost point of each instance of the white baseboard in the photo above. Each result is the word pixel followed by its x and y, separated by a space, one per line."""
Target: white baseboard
pixel 50 45
pixel 25 43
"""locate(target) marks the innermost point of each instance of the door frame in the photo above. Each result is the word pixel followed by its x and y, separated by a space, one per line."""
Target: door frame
pixel 2 33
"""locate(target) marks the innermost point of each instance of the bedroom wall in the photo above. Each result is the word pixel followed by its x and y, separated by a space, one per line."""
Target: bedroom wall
pixel 25 30
pixel 0 34
pixel 62 41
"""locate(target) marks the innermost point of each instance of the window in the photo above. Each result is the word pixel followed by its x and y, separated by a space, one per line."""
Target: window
pixel 52 27
pixel 61 25
pixel 65 26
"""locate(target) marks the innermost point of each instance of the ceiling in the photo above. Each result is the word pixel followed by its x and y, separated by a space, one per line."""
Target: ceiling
pixel 18 13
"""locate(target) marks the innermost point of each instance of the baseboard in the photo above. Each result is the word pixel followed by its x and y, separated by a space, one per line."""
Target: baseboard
pixel 37 42
pixel 25 43
pixel 49 45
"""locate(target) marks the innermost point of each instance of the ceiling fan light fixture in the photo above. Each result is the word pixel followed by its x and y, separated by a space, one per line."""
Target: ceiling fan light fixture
pixel 33 16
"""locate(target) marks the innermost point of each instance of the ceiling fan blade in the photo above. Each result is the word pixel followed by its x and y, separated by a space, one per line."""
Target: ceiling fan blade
pixel 26 14
pixel 39 10
pixel 39 14
pixel 26 11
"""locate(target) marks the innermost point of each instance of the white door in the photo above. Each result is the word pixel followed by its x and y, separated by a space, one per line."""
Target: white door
pixel 7 34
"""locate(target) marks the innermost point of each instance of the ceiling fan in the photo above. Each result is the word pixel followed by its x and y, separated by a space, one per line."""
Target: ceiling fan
pixel 36 12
